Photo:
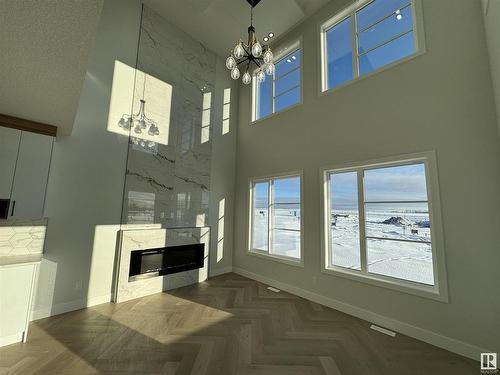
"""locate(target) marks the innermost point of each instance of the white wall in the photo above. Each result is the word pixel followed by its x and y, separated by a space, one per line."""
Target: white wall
pixel 491 9
pixel 441 101
pixel 84 194
pixel 223 174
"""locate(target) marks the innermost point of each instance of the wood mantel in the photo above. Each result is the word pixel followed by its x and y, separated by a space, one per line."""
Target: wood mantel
pixel 27 125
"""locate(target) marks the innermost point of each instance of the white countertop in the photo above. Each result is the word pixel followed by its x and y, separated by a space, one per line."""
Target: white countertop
pixel 20 259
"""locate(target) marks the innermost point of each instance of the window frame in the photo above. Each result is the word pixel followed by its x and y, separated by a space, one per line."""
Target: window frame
pixel 350 11
pixel 282 52
pixel 438 291
pixel 299 262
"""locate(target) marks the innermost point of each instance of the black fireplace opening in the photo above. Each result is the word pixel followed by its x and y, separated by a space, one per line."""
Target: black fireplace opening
pixel 165 260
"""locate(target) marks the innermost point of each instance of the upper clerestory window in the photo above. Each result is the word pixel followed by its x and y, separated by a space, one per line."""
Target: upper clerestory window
pixel 366 37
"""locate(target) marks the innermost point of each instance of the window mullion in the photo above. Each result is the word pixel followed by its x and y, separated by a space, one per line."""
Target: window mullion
pixel 362 221
pixel 269 217
pixel 273 89
pixel 355 62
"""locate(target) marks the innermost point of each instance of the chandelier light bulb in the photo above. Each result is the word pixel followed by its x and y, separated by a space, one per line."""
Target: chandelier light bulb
pixel 230 62
pixel 261 76
pixel 235 73
pixel 239 52
pixel 247 78
pixel 268 56
pixel 269 69
pixel 138 129
pixel 257 49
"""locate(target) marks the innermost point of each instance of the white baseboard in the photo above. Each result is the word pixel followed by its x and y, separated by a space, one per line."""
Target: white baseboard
pixel 220 271
pixel 444 342
pixel 61 308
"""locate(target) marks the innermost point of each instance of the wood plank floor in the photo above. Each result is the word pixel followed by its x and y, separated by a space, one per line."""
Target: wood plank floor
pixel 227 325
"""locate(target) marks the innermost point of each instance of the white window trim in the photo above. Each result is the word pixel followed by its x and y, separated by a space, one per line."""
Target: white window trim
pixel 281 52
pixel 263 254
pixel 418 34
pixel 439 291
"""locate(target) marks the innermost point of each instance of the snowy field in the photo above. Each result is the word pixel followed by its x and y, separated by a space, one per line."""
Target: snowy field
pixel 405 260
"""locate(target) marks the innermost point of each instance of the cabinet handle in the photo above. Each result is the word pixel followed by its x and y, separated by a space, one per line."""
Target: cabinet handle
pixel 13 207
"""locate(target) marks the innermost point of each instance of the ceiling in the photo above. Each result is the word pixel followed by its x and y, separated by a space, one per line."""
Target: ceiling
pixel 219 24
pixel 44 53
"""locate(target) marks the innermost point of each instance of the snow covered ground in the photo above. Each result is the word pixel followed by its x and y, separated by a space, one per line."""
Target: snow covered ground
pixel 405 260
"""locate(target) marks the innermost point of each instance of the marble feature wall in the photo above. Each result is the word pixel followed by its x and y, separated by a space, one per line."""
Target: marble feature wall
pixel 168 183
pixel 142 239
pixel 22 237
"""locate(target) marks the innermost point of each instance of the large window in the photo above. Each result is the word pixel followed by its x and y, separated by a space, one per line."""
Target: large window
pixel 281 90
pixel 276 217
pixel 365 37
pixel 379 223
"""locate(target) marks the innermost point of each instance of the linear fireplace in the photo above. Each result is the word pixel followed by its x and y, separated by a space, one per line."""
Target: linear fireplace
pixel 165 261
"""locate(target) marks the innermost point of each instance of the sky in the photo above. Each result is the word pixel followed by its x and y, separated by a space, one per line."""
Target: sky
pixel 400 183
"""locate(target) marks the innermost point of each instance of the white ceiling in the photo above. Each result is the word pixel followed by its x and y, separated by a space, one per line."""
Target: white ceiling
pixel 218 24
pixel 44 52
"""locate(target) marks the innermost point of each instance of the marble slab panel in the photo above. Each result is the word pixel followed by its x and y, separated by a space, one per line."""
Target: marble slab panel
pixel 142 239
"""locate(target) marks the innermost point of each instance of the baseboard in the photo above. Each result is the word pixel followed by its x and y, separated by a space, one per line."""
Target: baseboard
pixel 444 342
pixel 220 271
pixel 61 308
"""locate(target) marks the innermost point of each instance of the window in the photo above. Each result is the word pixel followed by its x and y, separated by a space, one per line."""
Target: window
pixel 366 37
pixel 283 89
pixel 276 217
pixel 379 224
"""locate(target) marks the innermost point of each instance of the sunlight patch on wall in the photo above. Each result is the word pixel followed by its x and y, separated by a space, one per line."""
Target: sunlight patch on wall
pixel 220 230
pixel 131 86
pixel 226 111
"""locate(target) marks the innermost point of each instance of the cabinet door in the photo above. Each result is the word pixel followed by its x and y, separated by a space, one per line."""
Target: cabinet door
pixel 30 180
pixel 15 296
pixel 9 145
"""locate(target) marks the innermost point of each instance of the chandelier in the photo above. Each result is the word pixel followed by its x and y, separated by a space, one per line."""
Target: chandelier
pixel 140 122
pixel 244 54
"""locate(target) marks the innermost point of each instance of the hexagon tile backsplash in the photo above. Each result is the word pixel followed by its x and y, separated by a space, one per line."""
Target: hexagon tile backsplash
pixel 22 237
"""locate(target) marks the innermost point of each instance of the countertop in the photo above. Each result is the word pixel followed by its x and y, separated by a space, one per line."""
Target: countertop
pixel 11 260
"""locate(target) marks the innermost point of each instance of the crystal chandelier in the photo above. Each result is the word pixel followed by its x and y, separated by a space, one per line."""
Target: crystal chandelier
pixel 245 54
pixel 139 123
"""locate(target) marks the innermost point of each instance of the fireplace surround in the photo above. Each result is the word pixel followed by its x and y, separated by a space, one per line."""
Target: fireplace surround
pixel 170 258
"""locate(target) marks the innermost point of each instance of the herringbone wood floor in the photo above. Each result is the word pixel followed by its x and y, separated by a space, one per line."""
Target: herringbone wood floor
pixel 228 325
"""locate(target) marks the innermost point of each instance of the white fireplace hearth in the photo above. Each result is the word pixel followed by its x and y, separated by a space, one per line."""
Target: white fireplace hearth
pixel 127 288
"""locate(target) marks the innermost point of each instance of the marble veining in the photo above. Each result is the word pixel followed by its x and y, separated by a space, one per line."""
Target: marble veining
pixel 174 176
pixel 151 238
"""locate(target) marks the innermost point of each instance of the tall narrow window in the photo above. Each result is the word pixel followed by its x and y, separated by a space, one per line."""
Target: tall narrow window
pixel 365 37
pixel 276 217
pixel 226 111
pixel 379 225
pixel 281 90
pixel 205 117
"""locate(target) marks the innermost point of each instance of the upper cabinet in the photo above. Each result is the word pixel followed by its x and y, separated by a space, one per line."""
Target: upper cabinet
pixel 9 146
pixel 24 169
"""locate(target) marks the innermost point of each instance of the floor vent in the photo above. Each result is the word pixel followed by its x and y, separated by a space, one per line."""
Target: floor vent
pixel 383 330
pixel 273 289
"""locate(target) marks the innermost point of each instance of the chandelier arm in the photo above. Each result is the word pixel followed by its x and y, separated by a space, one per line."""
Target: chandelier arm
pixel 243 60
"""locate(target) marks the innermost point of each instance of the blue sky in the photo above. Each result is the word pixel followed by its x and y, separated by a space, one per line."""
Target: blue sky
pixel 401 183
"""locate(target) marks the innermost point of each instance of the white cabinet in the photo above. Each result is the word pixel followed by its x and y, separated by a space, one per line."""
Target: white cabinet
pixel 17 284
pixel 9 146
pixel 24 169
pixel 30 180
